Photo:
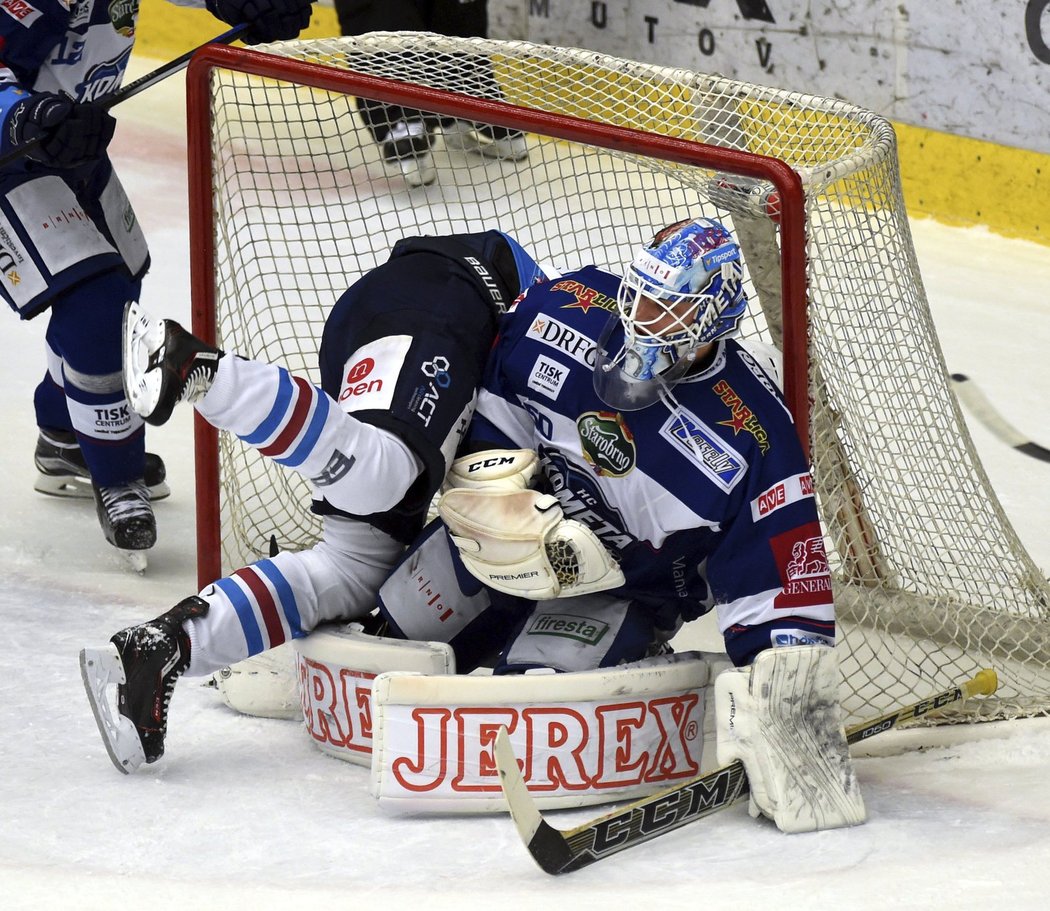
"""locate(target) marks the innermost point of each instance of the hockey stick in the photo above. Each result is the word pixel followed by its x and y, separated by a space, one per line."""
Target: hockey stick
pixel 978 405
pixel 564 850
pixel 133 88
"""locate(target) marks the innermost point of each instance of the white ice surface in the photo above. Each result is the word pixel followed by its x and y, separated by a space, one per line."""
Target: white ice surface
pixel 247 813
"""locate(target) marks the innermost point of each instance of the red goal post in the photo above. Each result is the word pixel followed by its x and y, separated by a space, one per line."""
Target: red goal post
pixel 290 202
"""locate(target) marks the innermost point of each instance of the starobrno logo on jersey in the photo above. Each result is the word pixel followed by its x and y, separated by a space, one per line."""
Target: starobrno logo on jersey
pixel 607 443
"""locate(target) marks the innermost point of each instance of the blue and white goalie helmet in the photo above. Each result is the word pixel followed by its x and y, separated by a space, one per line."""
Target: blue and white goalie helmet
pixel 682 291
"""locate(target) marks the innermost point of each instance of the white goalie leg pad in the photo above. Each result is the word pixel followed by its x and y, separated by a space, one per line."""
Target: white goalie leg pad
pixel 781 718
pixel 263 686
pixel 584 737
pixel 519 543
pixel 335 668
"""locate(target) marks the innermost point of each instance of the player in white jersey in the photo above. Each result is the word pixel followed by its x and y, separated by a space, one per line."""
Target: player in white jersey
pixel 401 358
pixel 70 244
pixel 637 469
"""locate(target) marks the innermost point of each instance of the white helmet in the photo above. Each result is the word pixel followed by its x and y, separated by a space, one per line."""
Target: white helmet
pixel 692 272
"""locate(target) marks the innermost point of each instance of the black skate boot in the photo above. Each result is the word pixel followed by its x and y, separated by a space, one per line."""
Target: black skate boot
pixel 407 148
pixel 164 365
pixel 126 517
pixel 144 662
pixel 64 473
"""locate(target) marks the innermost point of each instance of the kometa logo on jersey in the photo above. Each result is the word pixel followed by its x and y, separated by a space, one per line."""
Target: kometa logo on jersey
pixel 103 79
pixel 702 446
pixel 607 443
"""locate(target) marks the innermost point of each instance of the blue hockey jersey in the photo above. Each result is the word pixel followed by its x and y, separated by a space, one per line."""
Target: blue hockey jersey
pixel 705 498
pixel 76 47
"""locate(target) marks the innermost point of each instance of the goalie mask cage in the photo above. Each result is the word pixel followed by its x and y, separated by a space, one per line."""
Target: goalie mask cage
pixel 291 202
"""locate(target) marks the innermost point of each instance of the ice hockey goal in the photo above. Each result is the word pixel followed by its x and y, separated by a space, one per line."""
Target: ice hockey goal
pixel 290 202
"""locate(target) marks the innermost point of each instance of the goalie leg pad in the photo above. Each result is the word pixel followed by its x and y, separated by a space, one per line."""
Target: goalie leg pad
pixel 781 718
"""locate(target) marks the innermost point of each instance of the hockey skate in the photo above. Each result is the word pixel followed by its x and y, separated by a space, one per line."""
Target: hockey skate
pixel 143 662
pixel 407 148
pixel 491 142
pixel 64 473
pixel 127 521
pixel 163 365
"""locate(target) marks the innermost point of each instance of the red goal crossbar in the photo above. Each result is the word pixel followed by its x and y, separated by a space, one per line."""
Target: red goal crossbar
pixel 785 180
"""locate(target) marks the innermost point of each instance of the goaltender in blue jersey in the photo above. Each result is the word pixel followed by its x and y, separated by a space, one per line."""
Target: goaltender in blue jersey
pixel 627 468
pixel 687 470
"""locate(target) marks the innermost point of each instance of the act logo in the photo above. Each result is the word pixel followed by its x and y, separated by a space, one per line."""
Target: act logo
pixel 425 399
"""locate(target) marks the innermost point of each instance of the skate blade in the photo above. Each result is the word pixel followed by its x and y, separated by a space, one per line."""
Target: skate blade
pixel 99 669
pixel 75 487
pixel 136 560
pixel 63 485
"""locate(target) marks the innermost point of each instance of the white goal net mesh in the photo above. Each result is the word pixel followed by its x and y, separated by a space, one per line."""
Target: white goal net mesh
pixel 931 582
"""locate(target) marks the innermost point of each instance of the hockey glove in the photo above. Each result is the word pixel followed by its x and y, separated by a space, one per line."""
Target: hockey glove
pixel 520 543
pixel 267 20
pixel 489 469
pixel 68 134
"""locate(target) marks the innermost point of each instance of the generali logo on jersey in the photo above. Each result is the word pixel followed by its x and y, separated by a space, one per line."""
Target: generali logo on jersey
pixel 802 560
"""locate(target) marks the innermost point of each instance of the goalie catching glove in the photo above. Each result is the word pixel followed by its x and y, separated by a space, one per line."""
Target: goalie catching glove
pixel 489 469
pixel 781 718
pixel 520 543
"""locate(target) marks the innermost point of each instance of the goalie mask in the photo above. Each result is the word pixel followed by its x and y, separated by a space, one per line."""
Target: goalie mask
pixel 682 291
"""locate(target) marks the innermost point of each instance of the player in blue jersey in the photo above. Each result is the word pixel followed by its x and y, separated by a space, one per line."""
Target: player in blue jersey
pixel 401 359
pixel 634 467
pixel 70 244
pixel 642 469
